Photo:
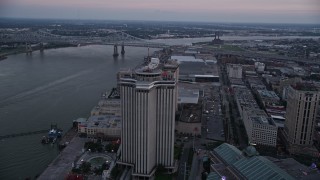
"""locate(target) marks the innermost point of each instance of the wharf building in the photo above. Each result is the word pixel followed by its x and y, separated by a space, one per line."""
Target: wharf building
pixel 108 105
pixel 101 126
pixel 302 106
pixel 148 104
pixel 105 119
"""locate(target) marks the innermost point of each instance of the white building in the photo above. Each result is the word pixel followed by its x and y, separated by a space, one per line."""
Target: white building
pixel 107 126
pixel 302 107
pixel 260 128
pixel 259 66
pixel 188 96
pixel 148 103
pixel 108 105
pixel 234 70
pixel 244 99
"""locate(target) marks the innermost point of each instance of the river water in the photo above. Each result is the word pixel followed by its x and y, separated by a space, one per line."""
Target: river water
pixel 56 86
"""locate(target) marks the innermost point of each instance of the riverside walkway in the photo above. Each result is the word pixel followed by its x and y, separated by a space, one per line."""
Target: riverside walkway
pixel 62 165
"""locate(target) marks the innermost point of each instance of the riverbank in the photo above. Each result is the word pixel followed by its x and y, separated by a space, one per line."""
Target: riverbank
pixel 20 50
pixel 64 155
pixel 65 140
pixel 63 163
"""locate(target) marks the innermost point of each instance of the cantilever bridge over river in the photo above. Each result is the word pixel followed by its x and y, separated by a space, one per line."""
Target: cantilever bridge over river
pixel 55 86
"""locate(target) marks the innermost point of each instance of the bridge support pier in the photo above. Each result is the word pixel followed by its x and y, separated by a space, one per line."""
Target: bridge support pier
pixel 28 49
pixel 41 47
pixel 122 49
pixel 115 51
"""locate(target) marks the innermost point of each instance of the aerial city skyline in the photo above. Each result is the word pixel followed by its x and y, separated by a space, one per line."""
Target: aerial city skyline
pixel 253 11
pixel 160 89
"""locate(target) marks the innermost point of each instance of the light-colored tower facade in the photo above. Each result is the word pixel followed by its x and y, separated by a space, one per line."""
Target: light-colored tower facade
pixel 302 105
pixel 148 104
pixel 234 70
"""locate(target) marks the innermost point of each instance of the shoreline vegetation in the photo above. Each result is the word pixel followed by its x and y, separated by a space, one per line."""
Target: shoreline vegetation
pixel 21 49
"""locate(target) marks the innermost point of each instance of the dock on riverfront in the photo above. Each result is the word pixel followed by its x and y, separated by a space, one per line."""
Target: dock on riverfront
pixel 62 164
pixel 67 137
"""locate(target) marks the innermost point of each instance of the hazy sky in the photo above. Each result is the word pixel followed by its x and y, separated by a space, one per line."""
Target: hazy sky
pixel 277 11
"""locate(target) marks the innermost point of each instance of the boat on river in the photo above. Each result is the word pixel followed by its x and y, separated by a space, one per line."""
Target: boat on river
pixel 53 135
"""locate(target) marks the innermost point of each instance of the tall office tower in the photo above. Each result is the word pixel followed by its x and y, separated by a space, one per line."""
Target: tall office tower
pixel 302 105
pixel 148 104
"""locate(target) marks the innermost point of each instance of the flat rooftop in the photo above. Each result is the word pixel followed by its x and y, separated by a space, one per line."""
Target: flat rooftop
pixel 254 80
pixel 181 59
pixel 262 120
pixel 305 87
pixel 245 97
pixel 295 169
pixel 236 81
pixel 103 121
pixel 268 94
pixel 188 96
pixel 192 68
pixel 259 116
pixel 253 167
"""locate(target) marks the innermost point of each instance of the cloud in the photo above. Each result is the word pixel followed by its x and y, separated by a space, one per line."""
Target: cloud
pixel 232 10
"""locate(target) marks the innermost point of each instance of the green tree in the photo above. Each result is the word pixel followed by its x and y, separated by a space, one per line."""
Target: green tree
pixel 85 167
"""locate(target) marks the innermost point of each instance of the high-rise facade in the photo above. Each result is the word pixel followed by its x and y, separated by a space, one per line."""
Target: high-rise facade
pixel 148 103
pixel 302 105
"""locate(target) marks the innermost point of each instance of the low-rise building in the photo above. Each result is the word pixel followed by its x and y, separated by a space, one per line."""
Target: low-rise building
pixel 268 98
pixel 255 83
pixel 234 70
pixel 259 66
pixel 235 82
pixel 244 99
pixel 187 95
pixel 108 105
pixel 192 69
pixel 104 126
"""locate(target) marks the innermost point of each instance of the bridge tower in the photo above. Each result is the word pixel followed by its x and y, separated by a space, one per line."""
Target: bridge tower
pixel 122 49
pixel 28 49
pixel 41 47
pixel 115 51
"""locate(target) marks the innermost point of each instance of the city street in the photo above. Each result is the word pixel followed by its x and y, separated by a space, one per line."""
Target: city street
pixel 212 120
pixel 183 164
pixel 235 134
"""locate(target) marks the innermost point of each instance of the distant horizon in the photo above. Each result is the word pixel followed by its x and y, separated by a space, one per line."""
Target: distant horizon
pixel 178 21
pixel 233 11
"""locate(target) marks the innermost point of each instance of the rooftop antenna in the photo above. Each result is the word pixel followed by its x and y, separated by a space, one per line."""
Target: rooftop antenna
pixel 148 52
